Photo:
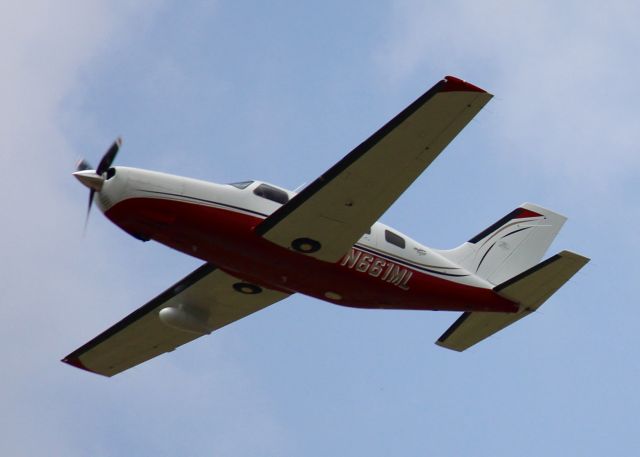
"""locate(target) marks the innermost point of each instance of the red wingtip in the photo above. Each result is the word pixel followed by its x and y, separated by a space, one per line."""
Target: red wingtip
pixel 75 362
pixel 453 84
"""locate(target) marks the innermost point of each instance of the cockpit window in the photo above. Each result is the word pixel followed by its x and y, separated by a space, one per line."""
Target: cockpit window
pixel 271 193
pixel 241 184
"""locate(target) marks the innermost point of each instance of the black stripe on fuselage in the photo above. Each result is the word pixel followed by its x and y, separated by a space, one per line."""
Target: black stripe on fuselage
pixel 204 200
pixel 382 254
pixel 359 246
pixel 404 262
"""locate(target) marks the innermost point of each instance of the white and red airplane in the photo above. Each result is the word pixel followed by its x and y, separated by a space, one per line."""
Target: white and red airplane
pixel 262 243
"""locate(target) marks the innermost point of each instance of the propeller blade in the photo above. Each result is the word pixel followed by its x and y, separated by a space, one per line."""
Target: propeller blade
pixel 108 157
pixel 83 165
pixel 86 219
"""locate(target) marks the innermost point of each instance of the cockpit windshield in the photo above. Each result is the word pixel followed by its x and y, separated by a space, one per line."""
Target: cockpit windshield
pixel 241 184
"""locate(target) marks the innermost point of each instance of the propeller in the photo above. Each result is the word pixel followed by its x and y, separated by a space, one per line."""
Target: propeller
pixel 94 179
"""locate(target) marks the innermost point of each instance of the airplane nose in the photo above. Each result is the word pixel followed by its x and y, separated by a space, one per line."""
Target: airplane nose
pixel 90 179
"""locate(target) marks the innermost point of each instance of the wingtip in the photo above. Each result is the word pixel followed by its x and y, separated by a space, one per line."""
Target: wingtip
pixel 444 345
pixel 578 258
pixel 453 84
pixel 75 362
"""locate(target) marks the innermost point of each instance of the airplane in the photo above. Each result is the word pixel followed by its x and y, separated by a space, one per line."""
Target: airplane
pixel 262 243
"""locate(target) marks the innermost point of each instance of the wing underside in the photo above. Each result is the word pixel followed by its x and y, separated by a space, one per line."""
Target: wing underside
pixel 208 297
pixel 328 216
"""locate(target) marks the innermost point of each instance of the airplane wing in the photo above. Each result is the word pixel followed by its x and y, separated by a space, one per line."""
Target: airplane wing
pixel 326 218
pixel 204 301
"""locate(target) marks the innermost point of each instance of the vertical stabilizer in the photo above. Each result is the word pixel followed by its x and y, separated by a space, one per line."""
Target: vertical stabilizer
pixel 511 245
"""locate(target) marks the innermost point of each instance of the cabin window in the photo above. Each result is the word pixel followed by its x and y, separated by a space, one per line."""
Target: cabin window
pixel 394 239
pixel 271 193
pixel 241 184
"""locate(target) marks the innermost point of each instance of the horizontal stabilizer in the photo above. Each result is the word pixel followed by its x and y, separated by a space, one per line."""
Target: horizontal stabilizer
pixel 529 289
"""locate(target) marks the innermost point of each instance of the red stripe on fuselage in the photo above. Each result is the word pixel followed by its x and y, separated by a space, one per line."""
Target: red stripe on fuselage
pixel 227 239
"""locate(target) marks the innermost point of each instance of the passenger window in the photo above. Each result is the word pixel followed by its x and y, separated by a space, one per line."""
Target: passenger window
pixel 394 239
pixel 271 193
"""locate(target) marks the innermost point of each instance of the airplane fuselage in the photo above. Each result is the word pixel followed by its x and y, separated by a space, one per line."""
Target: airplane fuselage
pixel 262 243
pixel 216 222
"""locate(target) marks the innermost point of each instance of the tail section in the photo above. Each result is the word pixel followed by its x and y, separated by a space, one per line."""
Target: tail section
pixel 529 289
pixel 511 245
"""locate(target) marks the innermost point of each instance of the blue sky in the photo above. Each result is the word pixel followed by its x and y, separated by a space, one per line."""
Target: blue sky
pixel 228 91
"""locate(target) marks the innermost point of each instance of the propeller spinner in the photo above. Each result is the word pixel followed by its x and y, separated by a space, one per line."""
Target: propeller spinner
pixel 94 179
